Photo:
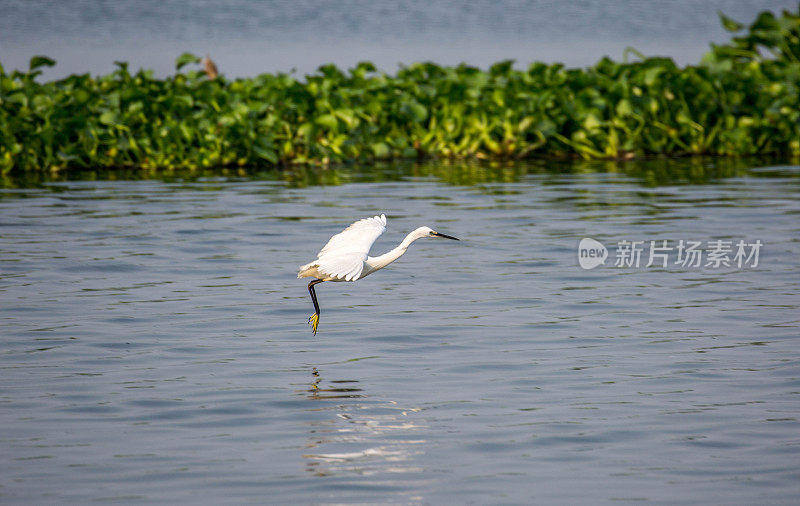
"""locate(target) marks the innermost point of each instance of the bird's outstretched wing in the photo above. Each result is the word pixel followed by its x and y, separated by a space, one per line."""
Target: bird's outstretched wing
pixel 344 255
pixel 357 238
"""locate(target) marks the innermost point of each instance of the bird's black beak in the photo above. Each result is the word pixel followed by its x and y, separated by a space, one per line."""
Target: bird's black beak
pixel 437 234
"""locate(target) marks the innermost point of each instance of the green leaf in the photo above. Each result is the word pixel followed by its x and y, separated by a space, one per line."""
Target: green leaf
pixel 651 75
pixel 501 68
pixel 185 59
pixel 728 24
pixel 624 108
pixel 380 150
pixel 348 116
pixel 592 122
pixel 416 110
pixel 18 98
pixel 108 118
pixel 40 61
pixel 305 130
pixel 328 121
pixel 266 153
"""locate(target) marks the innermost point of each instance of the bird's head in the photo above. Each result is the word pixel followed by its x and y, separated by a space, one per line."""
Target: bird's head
pixel 429 232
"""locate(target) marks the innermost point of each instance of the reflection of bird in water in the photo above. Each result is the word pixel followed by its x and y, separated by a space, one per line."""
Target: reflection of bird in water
pixel 345 257
pixel 340 389
pixel 361 436
pixel 210 68
pixel 317 379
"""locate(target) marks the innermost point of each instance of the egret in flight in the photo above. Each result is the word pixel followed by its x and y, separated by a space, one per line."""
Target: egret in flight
pixel 345 257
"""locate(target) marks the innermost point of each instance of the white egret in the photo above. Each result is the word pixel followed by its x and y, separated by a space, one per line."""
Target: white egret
pixel 345 257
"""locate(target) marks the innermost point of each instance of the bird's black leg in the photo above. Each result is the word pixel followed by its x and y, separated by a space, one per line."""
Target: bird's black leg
pixel 314 318
pixel 313 294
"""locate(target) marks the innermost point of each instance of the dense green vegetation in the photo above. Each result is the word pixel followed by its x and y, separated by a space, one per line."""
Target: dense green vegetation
pixel 742 98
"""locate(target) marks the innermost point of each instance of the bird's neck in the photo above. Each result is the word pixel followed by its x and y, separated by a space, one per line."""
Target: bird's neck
pixel 382 261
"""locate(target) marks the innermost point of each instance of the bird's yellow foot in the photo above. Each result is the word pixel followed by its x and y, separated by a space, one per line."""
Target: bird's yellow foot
pixel 314 321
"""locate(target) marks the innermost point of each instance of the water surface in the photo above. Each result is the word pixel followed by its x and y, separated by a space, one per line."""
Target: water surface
pixel 247 38
pixel 155 346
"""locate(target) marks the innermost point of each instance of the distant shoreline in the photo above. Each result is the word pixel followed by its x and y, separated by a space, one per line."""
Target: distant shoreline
pixel 741 99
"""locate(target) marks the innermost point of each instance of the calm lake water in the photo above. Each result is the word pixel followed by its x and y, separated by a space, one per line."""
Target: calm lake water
pixel 247 38
pixel 154 342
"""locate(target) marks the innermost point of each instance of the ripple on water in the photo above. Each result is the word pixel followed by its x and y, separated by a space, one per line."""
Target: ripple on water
pixel 155 333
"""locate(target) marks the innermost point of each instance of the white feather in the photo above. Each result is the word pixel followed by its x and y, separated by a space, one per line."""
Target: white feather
pixel 357 238
pixel 343 257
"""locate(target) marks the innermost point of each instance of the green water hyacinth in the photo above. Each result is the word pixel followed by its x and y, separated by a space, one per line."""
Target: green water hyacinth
pixel 743 98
